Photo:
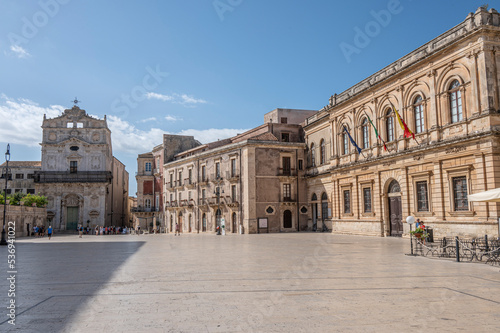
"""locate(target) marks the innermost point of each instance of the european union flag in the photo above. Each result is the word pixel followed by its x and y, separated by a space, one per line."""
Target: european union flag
pixel 352 141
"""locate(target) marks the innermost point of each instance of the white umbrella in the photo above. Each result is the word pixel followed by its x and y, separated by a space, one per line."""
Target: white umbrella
pixel 488 196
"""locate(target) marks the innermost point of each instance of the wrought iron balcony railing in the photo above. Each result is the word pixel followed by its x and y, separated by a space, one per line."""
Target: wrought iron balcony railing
pixel 76 177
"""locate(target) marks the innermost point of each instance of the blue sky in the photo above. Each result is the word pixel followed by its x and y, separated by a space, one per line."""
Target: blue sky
pixel 208 68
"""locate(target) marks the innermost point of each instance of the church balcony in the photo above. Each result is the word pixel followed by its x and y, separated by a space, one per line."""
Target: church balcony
pixel 76 177
pixel 286 172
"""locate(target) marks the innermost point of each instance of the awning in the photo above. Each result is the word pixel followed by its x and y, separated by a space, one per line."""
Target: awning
pixel 488 196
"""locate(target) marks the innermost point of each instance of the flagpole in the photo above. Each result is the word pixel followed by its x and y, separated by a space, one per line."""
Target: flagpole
pixel 403 124
pixel 376 132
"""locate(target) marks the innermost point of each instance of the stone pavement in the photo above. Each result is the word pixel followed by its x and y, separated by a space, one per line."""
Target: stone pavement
pixel 297 282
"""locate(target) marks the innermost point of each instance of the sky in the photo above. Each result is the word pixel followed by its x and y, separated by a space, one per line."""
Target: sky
pixel 207 68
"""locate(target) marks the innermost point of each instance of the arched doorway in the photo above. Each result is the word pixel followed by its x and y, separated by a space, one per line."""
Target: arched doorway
pixel 190 221
pixel 218 216
pixel 171 223
pixel 204 222
pixel 235 224
pixel 287 219
pixel 395 209
pixel 314 203
pixel 324 209
pixel 179 220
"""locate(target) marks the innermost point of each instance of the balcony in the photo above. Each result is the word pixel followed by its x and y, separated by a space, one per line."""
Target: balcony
pixel 77 177
pixel 288 201
pixel 141 209
pixel 232 176
pixel 189 183
pixel 157 172
pixel 231 201
pixel 287 172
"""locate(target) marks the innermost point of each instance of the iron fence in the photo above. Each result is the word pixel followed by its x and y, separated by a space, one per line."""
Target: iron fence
pixel 461 249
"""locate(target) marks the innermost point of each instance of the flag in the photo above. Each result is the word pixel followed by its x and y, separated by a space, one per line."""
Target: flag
pixel 352 141
pixel 376 132
pixel 408 133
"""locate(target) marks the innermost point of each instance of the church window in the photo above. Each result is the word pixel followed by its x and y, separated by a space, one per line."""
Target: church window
pixel 73 166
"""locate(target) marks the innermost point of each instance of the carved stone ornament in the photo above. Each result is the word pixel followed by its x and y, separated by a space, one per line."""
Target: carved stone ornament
pixel 456 150
pixel 52 136
pixel 72 201
pixel 96 137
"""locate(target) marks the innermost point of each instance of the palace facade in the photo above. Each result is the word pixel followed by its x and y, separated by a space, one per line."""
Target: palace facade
pixel 447 92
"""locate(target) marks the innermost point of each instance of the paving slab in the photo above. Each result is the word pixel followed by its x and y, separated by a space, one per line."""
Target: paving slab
pixel 295 282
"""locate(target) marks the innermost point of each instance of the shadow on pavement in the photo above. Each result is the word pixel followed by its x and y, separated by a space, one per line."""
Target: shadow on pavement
pixel 54 280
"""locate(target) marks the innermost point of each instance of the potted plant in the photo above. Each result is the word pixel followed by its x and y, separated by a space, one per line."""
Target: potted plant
pixel 419 233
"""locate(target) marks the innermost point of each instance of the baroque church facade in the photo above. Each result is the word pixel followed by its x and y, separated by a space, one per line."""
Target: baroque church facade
pixel 82 180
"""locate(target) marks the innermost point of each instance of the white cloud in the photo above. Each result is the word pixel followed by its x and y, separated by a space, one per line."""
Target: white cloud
pixel 129 139
pixel 191 100
pixel 22 120
pixel 19 51
pixel 182 99
pixel 172 118
pixel 151 95
pixel 147 119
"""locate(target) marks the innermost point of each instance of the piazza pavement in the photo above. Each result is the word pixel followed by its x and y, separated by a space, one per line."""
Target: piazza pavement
pixel 287 282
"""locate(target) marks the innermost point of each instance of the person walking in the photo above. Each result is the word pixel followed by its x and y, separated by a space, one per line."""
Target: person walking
pixel 177 229
pixel 80 232
pixel 49 231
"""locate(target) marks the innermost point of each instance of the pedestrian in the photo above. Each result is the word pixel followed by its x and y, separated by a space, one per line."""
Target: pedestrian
pixel 80 232
pixel 28 228
pixel 96 230
pixel 49 231
pixel 138 230
pixel 177 231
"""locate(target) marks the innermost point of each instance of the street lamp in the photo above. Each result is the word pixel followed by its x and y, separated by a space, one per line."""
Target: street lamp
pixel 7 159
pixel 410 220
pixel 218 192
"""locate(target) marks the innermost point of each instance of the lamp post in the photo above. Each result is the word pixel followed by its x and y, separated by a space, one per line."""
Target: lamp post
pixel 217 192
pixel 7 159
pixel 410 220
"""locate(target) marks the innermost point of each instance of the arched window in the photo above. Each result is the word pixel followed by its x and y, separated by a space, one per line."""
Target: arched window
pixel 345 143
pixel 365 134
pixel 418 108
pixel 314 197
pixel 313 155
pixel 322 152
pixel 389 125
pixel 394 187
pixel 287 219
pixel 324 206
pixel 455 102
pixel 235 222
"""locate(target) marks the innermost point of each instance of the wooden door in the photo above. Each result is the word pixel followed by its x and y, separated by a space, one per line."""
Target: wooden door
pixel 71 218
pixel 395 213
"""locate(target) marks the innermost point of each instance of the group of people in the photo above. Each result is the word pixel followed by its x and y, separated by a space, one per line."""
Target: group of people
pixel 100 230
pixel 39 231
